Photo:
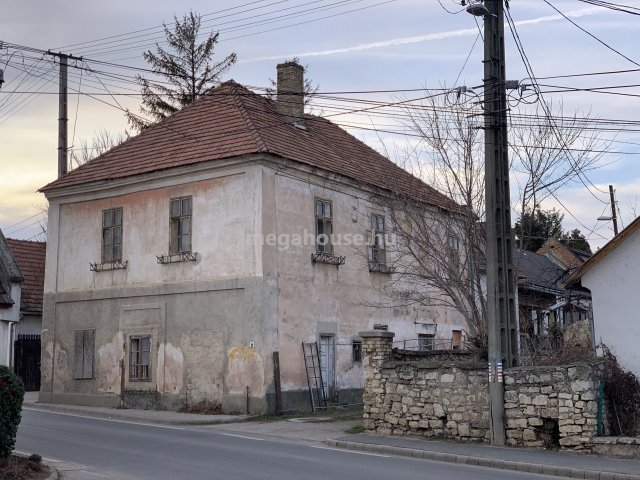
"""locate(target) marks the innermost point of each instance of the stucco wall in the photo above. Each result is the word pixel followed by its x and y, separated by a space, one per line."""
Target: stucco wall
pixel 7 316
pixel 614 290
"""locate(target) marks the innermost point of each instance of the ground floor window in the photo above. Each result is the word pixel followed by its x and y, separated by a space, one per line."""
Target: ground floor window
pixel 140 358
pixel 426 341
pixel 356 350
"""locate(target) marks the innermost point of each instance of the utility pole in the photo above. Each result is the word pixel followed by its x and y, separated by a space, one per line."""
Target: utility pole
pixel 63 119
pixel 501 307
pixel 614 217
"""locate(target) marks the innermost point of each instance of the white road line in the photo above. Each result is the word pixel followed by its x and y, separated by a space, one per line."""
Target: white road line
pixel 351 451
pixel 241 436
pixel 105 419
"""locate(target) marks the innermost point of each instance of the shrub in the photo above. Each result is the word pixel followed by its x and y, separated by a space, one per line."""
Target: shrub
pixel 11 396
pixel 622 396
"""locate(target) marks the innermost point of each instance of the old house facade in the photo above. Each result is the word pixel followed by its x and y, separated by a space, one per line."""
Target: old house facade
pixel 10 294
pixel 182 259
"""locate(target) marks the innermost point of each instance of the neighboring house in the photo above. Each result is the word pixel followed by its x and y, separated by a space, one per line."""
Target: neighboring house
pixel 10 289
pixel 543 301
pixel 182 260
pixel 612 276
pixel 566 257
pixel 30 257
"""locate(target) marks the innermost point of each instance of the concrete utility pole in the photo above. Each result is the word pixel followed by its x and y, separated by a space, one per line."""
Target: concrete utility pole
pixel 614 217
pixel 501 306
pixel 62 111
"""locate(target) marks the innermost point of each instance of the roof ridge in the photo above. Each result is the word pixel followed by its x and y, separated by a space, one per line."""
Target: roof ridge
pixel 239 100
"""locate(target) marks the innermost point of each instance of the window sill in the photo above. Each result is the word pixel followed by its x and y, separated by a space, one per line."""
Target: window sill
pixel 107 266
pixel 381 268
pixel 177 258
pixel 327 258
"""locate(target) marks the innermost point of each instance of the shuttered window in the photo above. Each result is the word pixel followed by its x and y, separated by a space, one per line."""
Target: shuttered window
pixel 140 358
pixel 84 354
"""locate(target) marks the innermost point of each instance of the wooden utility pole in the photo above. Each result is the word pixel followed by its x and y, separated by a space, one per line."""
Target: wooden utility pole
pixel 63 119
pixel 501 307
pixel 614 217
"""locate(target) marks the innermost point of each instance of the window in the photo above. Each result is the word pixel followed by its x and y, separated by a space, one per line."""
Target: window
pixel 426 341
pixel 456 339
pixel 83 354
pixel 324 226
pixel 112 235
pixel 378 250
pixel 453 245
pixel 180 225
pixel 139 358
pixel 356 350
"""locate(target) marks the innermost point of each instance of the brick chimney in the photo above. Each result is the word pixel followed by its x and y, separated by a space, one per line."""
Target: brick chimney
pixel 291 91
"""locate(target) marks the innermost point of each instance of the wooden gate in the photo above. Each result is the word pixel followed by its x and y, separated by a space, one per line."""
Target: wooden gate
pixel 26 361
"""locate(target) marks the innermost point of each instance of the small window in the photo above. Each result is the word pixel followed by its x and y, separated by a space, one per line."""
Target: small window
pixel 378 246
pixel 324 226
pixel 140 358
pixel 453 245
pixel 180 225
pixel 356 350
pixel 112 235
pixel 456 339
pixel 84 354
pixel 426 341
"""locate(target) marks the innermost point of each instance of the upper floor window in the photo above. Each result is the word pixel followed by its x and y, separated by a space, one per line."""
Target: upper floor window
pixel 324 226
pixel 112 235
pixel 453 245
pixel 180 225
pixel 378 247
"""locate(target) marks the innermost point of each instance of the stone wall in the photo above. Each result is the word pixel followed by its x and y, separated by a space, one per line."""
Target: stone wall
pixel 550 406
pixel 433 398
pixel 544 406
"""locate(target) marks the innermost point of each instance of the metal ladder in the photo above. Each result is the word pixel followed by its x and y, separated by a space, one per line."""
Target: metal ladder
pixel 314 375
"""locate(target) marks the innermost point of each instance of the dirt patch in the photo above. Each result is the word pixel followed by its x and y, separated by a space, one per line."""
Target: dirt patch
pixel 23 468
pixel 203 408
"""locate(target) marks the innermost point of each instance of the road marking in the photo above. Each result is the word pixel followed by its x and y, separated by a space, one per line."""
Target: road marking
pixel 241 436
pixel 105 419
pixel 351 451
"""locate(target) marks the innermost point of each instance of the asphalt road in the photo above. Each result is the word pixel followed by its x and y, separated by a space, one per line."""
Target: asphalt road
pixel 135 451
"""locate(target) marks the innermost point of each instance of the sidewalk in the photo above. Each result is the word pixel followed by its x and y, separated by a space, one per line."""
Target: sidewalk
pixel 159 417
pixel 525 460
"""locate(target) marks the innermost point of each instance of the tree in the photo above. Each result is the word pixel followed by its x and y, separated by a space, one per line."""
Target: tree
pixel 533 228
pixel 575 239
pixel 186 67
pixel 440 252
pixel 102 141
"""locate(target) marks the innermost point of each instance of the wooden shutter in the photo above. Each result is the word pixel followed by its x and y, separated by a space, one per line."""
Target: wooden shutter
pixel 88 347
pixel 78 354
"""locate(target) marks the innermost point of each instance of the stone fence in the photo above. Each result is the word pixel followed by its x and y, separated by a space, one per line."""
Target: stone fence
pixel 448 398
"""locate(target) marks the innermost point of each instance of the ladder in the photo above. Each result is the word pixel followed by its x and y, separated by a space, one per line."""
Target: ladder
pixel 314 375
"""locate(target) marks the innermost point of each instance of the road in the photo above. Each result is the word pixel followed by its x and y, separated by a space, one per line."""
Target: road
pixel 109 449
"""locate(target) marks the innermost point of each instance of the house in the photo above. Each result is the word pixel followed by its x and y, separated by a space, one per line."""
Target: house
pixel 10 289
pixel 612 276
pixel 543 302
pixel 563 255
pixel 30 257
pixel 182 262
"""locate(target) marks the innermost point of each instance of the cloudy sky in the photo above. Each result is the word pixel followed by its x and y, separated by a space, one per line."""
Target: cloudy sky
pixel 349 46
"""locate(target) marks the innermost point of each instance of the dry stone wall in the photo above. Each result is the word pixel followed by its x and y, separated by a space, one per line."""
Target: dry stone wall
pixel 544 406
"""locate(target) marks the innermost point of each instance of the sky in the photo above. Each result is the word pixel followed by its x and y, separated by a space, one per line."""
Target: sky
pixel 373 47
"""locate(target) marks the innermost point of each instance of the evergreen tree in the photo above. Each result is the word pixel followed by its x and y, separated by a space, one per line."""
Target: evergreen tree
pixel 186 64
pixel 533 228
pixel 575 239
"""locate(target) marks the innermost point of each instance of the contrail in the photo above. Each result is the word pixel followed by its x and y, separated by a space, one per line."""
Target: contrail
pixel 422 38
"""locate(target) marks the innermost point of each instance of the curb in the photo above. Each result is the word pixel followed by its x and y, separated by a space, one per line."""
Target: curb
pixel 123 416
pixel 482 461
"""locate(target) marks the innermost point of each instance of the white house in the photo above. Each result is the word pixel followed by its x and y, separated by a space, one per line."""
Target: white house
pixel 182 260
pixel 612 275
pixel 10 291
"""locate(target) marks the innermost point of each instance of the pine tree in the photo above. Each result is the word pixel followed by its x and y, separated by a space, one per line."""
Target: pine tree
pixel 186 65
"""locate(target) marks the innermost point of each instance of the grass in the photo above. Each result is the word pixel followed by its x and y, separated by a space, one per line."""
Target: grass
pixel 355 429
pixel 23 468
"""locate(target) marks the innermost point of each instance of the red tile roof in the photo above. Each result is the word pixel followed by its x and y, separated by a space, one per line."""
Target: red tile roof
pixel 30 257
pixel 230 121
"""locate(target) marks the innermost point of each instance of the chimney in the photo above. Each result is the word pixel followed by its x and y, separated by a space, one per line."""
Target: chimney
pixel 290 100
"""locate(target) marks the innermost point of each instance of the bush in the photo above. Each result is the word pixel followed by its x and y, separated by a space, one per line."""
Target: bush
pixel 622 395
pixel 11 397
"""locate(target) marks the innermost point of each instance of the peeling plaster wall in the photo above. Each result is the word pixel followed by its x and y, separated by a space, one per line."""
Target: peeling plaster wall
pixel 316 299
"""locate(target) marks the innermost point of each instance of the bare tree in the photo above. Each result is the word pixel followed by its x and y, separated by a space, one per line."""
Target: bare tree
pixel 102 141
pixel 439 251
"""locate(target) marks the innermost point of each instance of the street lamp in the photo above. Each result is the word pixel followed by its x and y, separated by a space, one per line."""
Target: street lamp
pixel 476 8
